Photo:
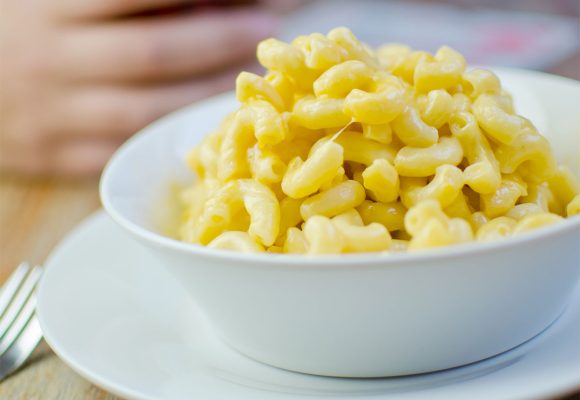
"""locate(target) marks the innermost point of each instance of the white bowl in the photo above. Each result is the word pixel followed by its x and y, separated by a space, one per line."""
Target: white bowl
pixel 367 315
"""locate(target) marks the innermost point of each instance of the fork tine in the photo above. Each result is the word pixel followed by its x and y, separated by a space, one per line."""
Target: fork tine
pixel 18 300
pixel 28 339
pixel 12 285
pixel 18 325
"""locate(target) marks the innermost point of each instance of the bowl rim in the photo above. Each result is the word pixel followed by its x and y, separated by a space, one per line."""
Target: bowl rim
pixel 383 259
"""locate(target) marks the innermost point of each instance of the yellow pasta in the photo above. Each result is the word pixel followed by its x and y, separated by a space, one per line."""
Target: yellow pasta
pixel 479 219
pixel 380 133
pixel 436 108
pixel 305 177
pixel 258 201
pixel 390 215
pixel 321 53
pixel 543 197
pixel 399 246
pixel 536 221
pixel 406 68
pixel 359 238
pixel 359 149
pixel 295 242
pixel 204 158
pixel 339 80
pixel 382 180
pixel 479 81
pixel 431 227
pixel 333 201
pixel 265 166
pixel 573 207
pixel 564 185
pixel 374 107
pixel 483 173
pixel 339 148
pixel 392 56
pixel 520 211
pixel 354 49
pixel 238 138
pixel 498 123
pixel 460 208
pixel 443 72
pixel 283 86
pixel 251 86
pixel 460 103
pixel 531 150
pixel 444 187
pixel 323 237
pixel 238 241
pixel 504 198
pixel 287 59
pixel 339 177
pixel 412 130
pixel 275 249
pixel 318 113
pixel 497 228
pixel 289 215
pixel 418 162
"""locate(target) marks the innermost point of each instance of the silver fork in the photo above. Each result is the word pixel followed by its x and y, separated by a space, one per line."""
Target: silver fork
pixel 19 329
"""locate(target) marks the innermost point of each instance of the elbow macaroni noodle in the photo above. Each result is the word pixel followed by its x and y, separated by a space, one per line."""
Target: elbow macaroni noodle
pixel 339 148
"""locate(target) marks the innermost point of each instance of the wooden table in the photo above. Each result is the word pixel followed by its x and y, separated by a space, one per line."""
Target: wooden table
pixel 34 216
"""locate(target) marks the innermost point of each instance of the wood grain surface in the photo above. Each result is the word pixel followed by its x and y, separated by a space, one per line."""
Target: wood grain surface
pixel 34 216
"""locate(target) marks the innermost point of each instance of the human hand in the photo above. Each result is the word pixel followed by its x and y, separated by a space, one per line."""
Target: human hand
pixel 79 77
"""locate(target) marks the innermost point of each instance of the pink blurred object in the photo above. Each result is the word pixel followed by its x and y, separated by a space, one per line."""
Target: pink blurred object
pixel 484 36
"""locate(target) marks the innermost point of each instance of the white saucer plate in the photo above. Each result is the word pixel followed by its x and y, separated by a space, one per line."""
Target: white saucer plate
pixel 122 322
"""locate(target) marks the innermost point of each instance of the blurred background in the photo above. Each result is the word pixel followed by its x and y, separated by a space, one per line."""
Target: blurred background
pixel 77 78
pixel 532 34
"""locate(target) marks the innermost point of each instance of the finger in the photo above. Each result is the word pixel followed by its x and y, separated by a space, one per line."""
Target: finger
pixel 118 112
pixel 161 48
pixel 80 158
pixel 93 9
pixel 73 158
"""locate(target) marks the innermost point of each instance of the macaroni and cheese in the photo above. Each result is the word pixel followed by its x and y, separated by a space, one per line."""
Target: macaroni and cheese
pixel 341 148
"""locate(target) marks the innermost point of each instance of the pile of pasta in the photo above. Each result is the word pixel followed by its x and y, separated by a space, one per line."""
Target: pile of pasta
pixel 341 148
